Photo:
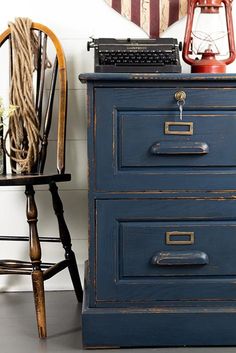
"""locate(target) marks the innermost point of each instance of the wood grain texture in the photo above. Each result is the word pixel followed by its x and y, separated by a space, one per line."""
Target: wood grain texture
pixel 39 299
pixel 35 257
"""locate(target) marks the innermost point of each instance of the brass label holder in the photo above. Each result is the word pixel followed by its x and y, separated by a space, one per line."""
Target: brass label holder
pixel 171 241
pixel 169 124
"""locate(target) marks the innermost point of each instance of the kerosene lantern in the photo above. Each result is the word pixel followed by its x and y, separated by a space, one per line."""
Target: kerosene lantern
pixel 209 37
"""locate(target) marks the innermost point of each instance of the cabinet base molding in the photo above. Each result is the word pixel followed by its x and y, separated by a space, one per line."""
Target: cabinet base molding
pixel 157 327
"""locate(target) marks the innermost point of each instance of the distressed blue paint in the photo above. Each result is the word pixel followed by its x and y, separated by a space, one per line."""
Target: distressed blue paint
pixel 140 188
pixel 131 232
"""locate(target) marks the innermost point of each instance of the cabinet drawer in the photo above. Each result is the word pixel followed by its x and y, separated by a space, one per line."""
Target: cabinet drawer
pixel 165 250
pixel 159 139
pixel 150 249
pixel 142 143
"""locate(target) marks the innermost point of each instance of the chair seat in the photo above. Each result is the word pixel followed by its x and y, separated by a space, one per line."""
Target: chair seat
pixel 32 179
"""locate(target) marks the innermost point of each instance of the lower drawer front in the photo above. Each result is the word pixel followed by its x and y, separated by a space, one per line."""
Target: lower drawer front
pixel 152 250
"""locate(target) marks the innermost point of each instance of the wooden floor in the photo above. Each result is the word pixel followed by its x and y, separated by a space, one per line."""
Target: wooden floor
pixel 18 328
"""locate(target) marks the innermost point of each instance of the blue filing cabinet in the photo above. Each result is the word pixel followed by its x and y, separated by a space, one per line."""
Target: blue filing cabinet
pixel 162 211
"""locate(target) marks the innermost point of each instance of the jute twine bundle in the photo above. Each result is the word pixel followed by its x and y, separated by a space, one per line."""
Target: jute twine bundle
pixel 24 127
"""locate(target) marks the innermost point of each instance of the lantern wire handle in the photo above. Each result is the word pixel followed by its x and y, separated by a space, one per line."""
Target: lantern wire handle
pixel 207 37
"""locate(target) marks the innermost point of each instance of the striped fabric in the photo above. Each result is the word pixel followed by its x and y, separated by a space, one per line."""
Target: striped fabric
pixel 153 16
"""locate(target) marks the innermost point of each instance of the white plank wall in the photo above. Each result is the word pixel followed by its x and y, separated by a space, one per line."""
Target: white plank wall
pixel 74 21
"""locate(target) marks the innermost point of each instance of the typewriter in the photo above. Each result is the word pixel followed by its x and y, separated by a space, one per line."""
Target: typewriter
pixel 136 55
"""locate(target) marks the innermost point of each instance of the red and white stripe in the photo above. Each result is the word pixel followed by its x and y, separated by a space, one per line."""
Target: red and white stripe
pixel 153 16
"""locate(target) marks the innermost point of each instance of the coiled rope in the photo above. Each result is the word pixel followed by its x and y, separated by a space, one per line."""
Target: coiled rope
pixel 24 130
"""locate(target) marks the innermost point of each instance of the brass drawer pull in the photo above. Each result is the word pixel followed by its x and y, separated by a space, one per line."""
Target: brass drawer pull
pixel 179 148
pixel 180 258
pixel 171 235
pixel 169 124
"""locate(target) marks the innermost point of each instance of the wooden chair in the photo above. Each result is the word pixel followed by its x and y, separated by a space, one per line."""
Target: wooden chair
pixel 42 271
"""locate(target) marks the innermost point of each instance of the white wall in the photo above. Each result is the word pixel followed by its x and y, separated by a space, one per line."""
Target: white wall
pixel 74 21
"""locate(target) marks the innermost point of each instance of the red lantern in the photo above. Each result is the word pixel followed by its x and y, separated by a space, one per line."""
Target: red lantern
pixel 203 35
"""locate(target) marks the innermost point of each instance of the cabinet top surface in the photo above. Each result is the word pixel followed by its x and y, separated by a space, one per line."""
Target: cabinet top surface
pixel 84 77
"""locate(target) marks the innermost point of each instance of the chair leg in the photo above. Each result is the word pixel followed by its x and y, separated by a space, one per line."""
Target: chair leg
pixel 39 300
pixel 35 256
pixel 66 241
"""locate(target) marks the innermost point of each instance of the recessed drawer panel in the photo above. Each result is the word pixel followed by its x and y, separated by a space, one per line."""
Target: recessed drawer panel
pixel 141 143
pixel 146 252
pixel 158 139
pixel 166 250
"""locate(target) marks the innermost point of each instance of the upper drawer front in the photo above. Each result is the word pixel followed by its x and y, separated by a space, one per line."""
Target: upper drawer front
pixel 165 250
pixel 140 141
pixel 156 139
